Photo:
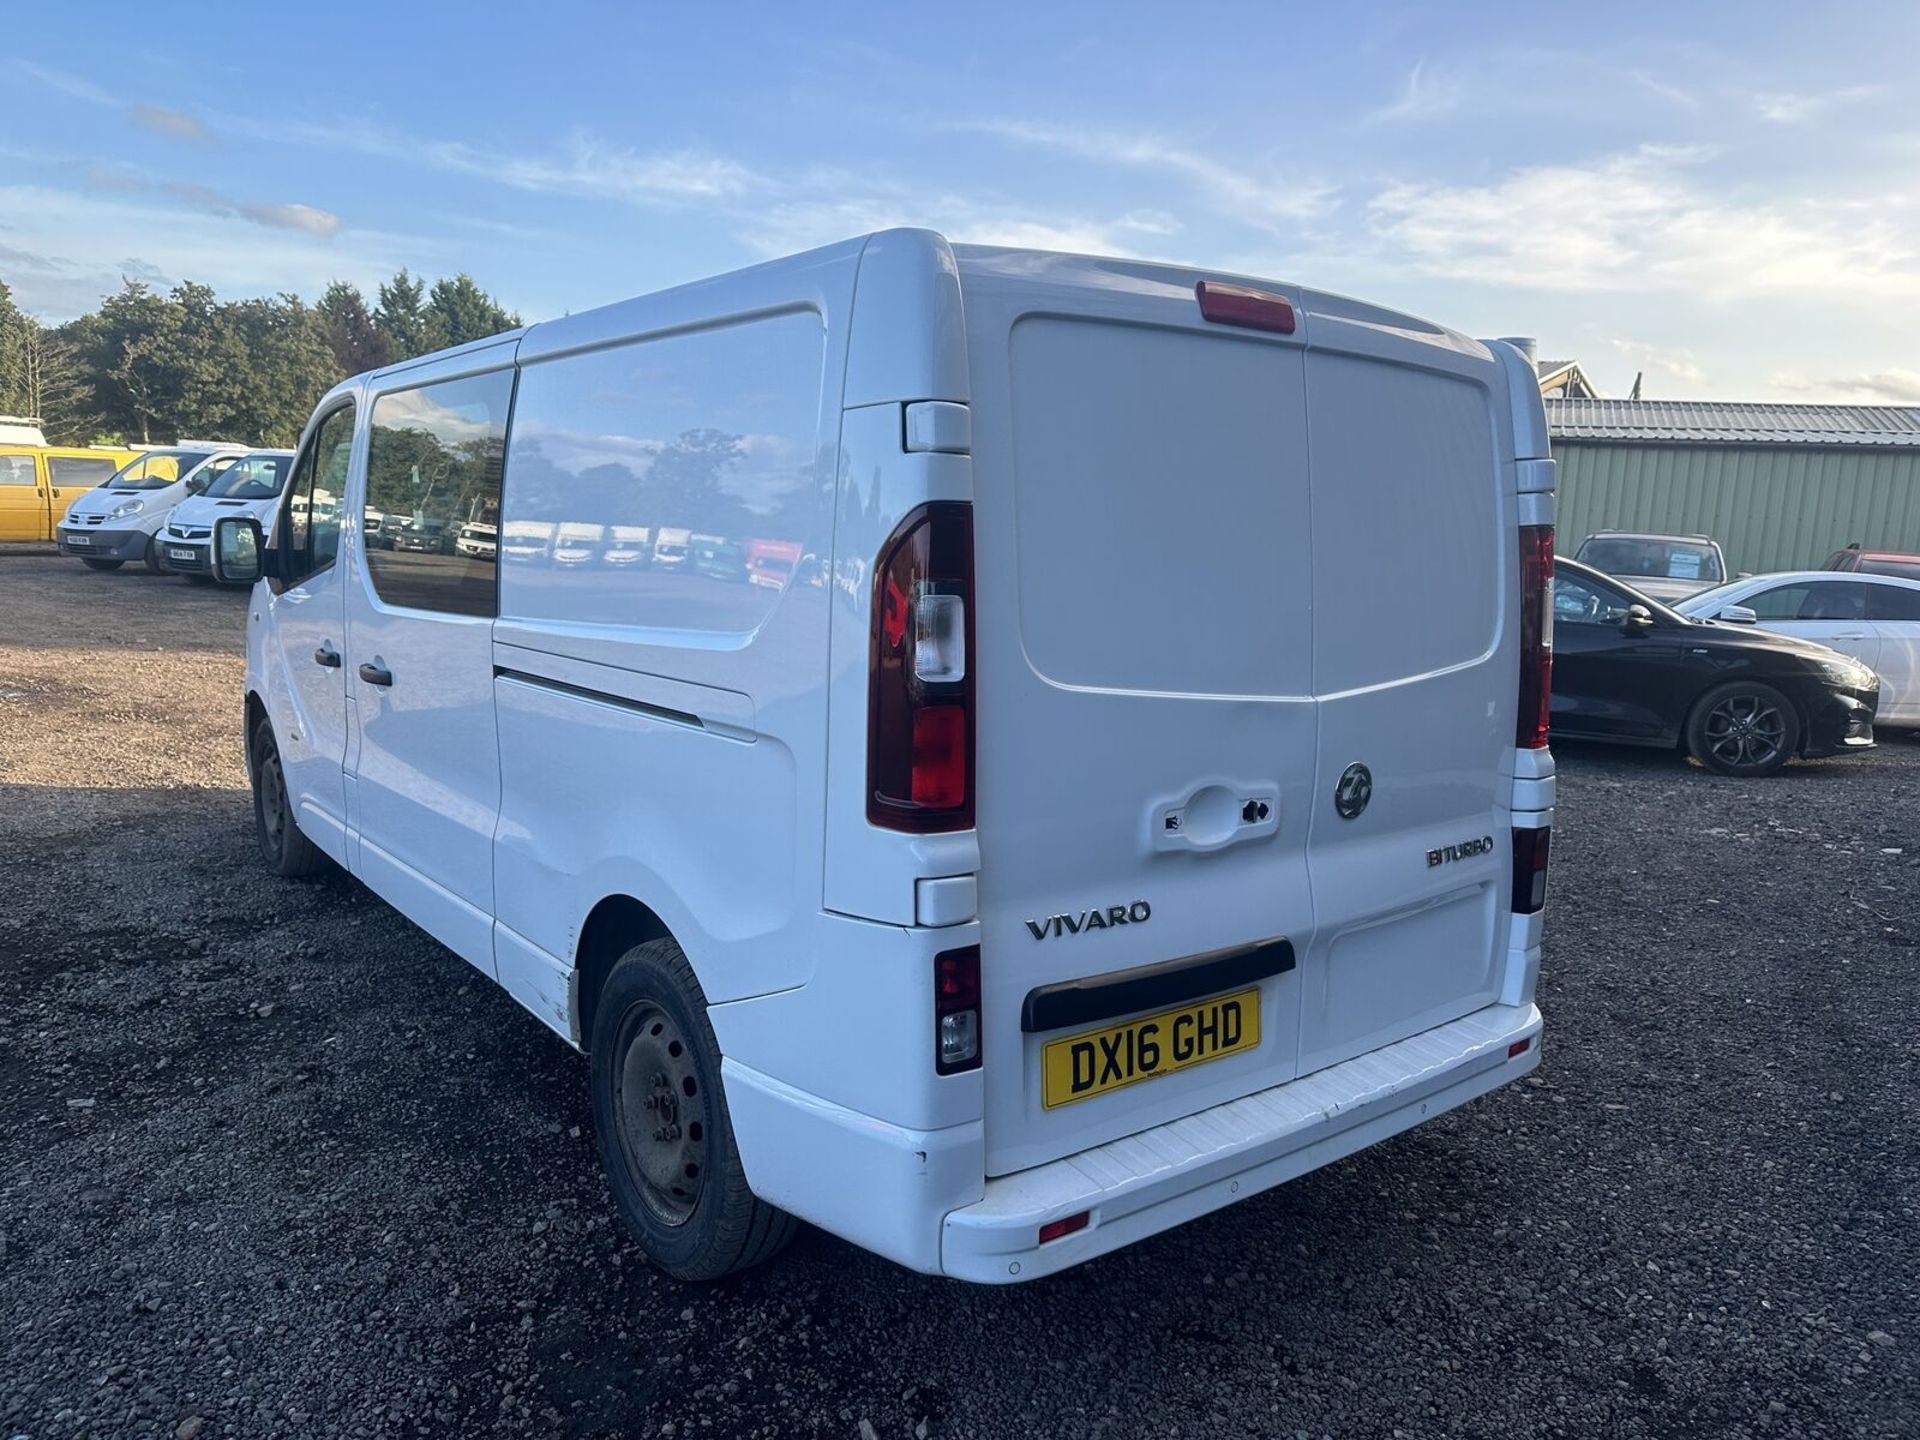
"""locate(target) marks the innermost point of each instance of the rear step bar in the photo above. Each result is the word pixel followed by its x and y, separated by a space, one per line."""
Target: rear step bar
pixel 1152 987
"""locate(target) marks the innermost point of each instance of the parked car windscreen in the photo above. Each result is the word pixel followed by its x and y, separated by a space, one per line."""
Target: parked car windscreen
pixel 253 477
pixel 1665 559
pixel 155 470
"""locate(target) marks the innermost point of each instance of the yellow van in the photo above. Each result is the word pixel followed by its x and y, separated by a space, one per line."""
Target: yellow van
pixel 39 482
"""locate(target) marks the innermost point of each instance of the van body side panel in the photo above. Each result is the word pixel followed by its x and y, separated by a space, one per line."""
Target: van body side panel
pixel 662 723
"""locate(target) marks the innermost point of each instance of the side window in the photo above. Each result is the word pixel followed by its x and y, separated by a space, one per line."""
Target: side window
pixel 1892 602
pixel 16 470
pixel 1783 602
pixel 312 514
pixel 1835 600
pixel 1576 602
pixel 79 470
pixel 433 473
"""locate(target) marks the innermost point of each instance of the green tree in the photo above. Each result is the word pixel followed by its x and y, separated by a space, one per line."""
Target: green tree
pixel 138 385
pixel 401 316
pixel 289 364
pixel 459 310
pixel 356 341
pixel 12 328
pixel 46 379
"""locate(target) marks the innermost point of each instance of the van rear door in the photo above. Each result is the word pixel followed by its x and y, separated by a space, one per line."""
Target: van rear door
pixel 1186 631
pixel 1146 728
pixel 1415 552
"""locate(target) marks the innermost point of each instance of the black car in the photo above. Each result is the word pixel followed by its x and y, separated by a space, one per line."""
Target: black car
pixel 1741 701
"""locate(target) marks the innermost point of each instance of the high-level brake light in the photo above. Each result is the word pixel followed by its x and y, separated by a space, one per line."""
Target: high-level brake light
pixel 1249 309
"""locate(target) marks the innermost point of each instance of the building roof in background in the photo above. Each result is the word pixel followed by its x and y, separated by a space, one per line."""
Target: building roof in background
pixel 1564 377
pixel 1731 422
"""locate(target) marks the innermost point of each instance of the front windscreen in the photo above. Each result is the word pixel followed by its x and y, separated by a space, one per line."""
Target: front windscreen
pixel 252 477
pixel 155 470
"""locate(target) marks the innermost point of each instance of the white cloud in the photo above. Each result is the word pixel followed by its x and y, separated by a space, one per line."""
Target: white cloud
pixel 62 251
pixel 1885 387
pixel 1667 360
pixel 1241 190
pixel 1427 93
pixel 309 219
pixel 165 120
pixel 1787 108
pixel 1643 221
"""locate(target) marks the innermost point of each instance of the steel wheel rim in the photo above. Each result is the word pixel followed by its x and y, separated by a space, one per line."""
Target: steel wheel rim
pixel 660 1111
pixel 1746 730
pixel 273 802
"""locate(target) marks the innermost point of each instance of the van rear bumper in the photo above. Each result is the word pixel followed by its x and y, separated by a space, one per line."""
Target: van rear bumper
pixel 1145 1183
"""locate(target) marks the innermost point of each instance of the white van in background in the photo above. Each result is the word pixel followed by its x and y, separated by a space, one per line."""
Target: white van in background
pixel 251 485
pixel 121 519
pixel 1078 837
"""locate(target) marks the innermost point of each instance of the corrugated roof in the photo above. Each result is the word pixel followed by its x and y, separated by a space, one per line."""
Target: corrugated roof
pixel 1550 367
pixel 1731 422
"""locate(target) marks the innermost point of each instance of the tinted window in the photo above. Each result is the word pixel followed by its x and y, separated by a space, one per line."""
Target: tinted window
pixel 1664 559
pixel 17 470
pixel 313 499
pixel 670 483
pixel 1811 600
pixel 252 477
pixel 1893 602
pixel 1578 602
pixel 433 469
pixel 88 470
pixel 1899 569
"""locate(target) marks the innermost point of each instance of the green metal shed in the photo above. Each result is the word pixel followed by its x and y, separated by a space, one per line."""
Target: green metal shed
pixel 1781 487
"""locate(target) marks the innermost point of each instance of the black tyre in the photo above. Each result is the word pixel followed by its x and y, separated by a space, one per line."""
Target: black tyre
pixel 93 564
pixel 1743 728
pixel 661 1117
pixel 152 559
pixel 286 851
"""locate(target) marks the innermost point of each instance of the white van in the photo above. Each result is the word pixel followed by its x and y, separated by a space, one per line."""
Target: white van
pixel 251 485
pixel 121 519
pixel 1134 796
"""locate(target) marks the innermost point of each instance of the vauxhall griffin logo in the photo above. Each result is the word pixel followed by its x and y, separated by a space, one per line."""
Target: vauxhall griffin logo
pixel 1138 913
pixel 1353 792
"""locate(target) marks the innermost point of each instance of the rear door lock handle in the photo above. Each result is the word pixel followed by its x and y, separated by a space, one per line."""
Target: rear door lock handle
pixel 376 674
pixel 328 656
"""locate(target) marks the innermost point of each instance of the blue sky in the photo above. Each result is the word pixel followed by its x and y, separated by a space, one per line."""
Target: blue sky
pixel 1724 196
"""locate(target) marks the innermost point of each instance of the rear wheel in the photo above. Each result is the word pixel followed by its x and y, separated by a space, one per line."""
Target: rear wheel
pixel 286 851
pixel 1743 728
pixel 661 1117
pixel 93 564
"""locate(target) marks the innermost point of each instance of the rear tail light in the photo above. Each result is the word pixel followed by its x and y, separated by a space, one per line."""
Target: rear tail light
pixel 1536 636
pixel 956 1010
pixel 1530 869
pixel 920 678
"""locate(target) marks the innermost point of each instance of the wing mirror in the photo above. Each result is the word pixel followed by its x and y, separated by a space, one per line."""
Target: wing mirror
pixel 1639 617
pixel 240 554
pixel 1737 615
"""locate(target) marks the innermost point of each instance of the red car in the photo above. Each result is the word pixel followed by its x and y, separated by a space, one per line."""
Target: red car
pixel 1875 562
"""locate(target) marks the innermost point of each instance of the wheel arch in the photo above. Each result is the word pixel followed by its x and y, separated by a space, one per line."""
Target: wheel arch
pixel 614 926
pixel 256 711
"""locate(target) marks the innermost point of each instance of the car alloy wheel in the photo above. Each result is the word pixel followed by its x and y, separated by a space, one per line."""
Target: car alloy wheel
pixel 1746 731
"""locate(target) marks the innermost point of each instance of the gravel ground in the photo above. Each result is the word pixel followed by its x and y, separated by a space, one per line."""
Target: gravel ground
pixel 273 1163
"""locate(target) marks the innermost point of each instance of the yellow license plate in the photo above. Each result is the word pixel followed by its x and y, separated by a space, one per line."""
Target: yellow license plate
pixel 1093 1063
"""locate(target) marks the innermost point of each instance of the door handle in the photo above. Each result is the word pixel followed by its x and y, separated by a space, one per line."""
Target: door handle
pixel 328 656
pixel 376 674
